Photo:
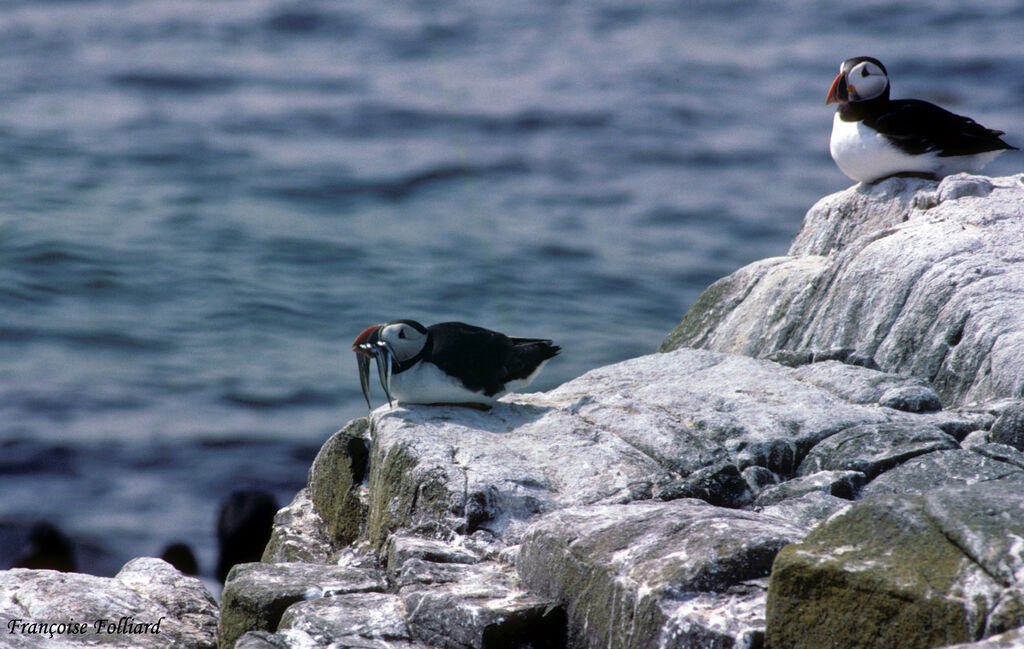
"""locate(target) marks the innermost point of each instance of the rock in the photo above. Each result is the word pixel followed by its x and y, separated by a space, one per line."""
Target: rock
pixel 336 479
pixel 638 574
pixel 299 534
pixel 759 478
pixel 1009 640
pixel 907 571
pixel 719 484
pixel 731 618
pixel 842 484
pixel 856 384
pixel 915 398
pixel 1009 427
pixel 256 595
pixel 1000 452
pixel 349 620
pixel 874 448
pixel 484 608
pixel 940 469
pixel 806 510
pixel 147 604
pixel 926 280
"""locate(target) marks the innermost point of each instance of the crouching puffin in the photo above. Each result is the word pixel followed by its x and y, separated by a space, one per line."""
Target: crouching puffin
pixel 874 137
pixel 447 363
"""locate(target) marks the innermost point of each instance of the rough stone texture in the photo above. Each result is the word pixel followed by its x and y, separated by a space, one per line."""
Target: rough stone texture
pixel 146 589
pixel 336 478
pixel 637 574
pixel 953 314
pixel 945 468
pixel 1009 427
pixel 1009 640
pixel 874 448
pixel 907 571
pixel 299 534
pixel 843 484
pixel 806 510
pixel 256 595
pixel 359 620
pixel 484 607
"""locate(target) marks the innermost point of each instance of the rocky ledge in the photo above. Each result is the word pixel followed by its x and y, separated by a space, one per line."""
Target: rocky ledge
pixel 828 452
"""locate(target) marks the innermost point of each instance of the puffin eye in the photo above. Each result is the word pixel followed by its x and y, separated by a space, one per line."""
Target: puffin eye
pixel 401 333
pixel 864 71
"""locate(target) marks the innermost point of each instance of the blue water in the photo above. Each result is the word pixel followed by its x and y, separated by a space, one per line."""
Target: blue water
pixel 203 203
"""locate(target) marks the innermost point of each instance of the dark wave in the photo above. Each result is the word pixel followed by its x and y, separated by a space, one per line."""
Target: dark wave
pixel 179 82
pixel 84 339
pixel 390 189
pixel 298 398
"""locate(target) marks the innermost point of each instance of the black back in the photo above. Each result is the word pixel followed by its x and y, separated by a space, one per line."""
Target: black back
pixel 917 127
pixel 485 360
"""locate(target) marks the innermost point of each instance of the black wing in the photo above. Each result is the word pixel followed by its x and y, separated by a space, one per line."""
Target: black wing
pixel 485 360
pixel 918 127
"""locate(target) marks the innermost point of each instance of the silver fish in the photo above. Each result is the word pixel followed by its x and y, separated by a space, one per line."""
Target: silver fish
pixel 364 377
pixel 384 357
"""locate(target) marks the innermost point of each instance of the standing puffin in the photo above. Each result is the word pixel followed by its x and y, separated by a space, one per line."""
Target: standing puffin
pixel 447 363
pixel 874 137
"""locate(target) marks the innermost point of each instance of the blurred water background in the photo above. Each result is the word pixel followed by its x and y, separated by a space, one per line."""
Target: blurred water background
pixel 202 203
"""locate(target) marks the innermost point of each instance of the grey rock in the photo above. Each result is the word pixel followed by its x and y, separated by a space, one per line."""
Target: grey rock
pixel 413 560
pixel 874 448
pixel 975 438
pixel 854 383
pixel 943 468
pixel 348 620
pixel 806 510
pixel 759 478
pixel 907 571
pixel 720 484
pixel 262 640
pixel 1000 452
pixel 1009 640
pixel 299 534
pixel 636 573
pixel 485 608
pixel 842 484
pixel 914 398
pixel 928 281
pixel 733 618
pixel 256 595
pixel 1009 427
pixel 178 610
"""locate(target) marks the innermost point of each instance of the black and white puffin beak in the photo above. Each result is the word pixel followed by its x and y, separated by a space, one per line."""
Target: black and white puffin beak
pixel 838 93
pixel 369 345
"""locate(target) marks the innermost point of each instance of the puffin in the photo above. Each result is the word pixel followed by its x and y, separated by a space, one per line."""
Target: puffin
pixel 450 363
pixel 874 137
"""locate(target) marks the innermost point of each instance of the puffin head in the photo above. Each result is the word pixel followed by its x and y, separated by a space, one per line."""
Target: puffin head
pixel 390 344
pixel 861 78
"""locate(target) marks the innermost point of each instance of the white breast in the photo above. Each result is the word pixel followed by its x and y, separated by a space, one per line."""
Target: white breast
pixel 425 383
pixel 865 155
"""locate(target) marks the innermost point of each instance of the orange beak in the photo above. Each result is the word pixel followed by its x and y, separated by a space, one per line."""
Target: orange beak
pixel 838 92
